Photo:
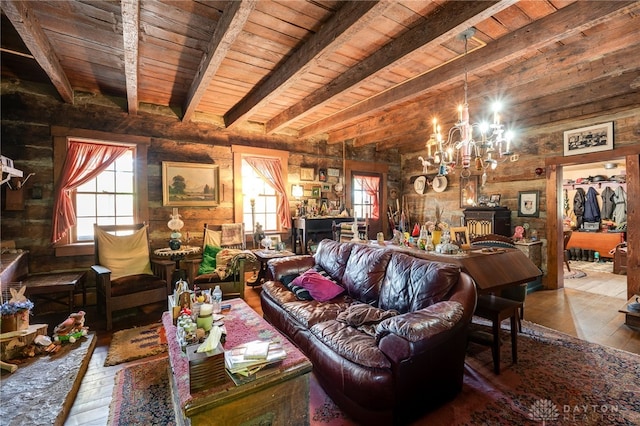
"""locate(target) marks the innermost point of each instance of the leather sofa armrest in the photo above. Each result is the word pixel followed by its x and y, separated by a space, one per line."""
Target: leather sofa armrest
pixel 403 336
pixel 280 267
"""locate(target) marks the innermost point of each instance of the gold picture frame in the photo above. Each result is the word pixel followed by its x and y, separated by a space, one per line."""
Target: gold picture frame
pixel 307 173
pixel 190 184
pixel 460 237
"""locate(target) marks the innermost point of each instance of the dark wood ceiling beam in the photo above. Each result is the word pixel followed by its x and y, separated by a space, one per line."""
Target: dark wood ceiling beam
pixel 231 23
pixel 568 21
pixel 27 25
pixel 130 38
pixel 352 17
pixel 445 23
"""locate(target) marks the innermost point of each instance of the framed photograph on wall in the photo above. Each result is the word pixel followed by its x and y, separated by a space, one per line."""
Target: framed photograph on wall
pixel 468 191
pixel 589 139
pixel 315 192
pixel 322 175
pixel 333 172
pixel 190 184
pixel 307 173
pixel 528 203
pixel 460 236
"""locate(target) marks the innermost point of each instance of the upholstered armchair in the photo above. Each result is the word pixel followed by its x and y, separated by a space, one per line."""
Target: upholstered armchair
pixel 126 275
pixel 223 260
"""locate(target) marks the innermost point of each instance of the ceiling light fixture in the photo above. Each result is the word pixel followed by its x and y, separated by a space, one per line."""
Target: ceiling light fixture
pixel 494 145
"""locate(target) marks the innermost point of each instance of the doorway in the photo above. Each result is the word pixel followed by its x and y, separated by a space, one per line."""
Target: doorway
pixel 592 251
pixel 592 266
pixel 554 210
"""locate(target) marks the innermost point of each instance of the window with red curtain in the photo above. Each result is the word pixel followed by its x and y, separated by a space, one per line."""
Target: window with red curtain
pixel 366 196
pixel 85 161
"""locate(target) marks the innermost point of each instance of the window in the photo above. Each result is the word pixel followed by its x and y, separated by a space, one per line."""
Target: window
pixel 116 191
pixel 365 194
pixel 264 198
pixel 108 199
pixel 261 174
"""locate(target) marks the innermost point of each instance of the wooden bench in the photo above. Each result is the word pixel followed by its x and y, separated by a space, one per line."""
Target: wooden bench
pixel 56 287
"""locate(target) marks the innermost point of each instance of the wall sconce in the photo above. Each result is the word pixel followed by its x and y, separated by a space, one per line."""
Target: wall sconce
pixel 297 191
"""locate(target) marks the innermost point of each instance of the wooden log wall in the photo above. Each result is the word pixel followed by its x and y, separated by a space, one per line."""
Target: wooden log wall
pixel 536 146
pixel 29 115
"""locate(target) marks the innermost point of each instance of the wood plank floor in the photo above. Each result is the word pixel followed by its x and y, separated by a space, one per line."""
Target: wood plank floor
pixel 584 314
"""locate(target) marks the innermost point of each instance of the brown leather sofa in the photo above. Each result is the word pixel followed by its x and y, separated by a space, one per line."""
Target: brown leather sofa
pixel 415 359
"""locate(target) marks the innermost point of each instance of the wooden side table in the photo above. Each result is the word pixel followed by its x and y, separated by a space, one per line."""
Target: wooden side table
pixel 263 257
pixel 56 287
pixel 632 318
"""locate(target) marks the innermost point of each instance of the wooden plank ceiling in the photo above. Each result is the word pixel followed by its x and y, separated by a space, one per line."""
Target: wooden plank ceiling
pixel 372 72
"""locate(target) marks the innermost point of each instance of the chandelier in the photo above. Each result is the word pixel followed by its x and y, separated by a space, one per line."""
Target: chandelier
pixel 461 149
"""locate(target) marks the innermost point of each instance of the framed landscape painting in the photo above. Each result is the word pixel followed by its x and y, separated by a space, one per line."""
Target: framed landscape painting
pixel 190 184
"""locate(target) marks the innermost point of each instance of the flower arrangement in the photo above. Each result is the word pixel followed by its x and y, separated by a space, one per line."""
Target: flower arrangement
pixel 12 308
pixel 438 224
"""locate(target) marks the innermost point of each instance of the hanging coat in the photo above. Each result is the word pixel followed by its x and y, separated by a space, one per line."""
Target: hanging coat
pixel 591 207
pixel 620 210
pixel 578 206
pixel 607 203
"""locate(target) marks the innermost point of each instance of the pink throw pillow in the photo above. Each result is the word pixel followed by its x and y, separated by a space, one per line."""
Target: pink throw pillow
pixel 319 287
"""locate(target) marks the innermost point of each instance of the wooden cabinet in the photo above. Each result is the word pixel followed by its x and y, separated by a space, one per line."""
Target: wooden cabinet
pixel 487 220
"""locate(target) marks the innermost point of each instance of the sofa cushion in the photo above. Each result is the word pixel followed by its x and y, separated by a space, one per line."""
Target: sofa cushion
pixel 208 263
pixel 350 343
pixel 131 284
pixel 364 273
pixel 411 284
pixel 332 256
pixel 364 317
pixel 319 287
pixel 124 254
pixel 300 292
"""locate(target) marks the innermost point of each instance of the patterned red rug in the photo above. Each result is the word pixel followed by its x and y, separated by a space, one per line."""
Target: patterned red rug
pixel 558 380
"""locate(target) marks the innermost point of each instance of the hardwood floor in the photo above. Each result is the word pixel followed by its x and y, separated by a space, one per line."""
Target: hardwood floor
pixel 587 315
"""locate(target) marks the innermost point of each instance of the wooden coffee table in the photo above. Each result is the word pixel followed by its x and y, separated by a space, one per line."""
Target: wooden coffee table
pixel 279 395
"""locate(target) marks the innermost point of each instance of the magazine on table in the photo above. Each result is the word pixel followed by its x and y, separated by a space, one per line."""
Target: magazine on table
pixel 248 358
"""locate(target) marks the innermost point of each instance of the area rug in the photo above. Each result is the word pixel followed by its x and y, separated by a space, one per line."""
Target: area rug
pixel 558 380
pixel 141 395
pixel 574 273
pixel 135 343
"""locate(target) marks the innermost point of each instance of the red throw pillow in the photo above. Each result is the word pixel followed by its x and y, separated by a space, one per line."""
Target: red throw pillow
pixel 319 287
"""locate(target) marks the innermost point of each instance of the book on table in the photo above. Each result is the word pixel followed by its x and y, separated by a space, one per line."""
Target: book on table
pixel 248 358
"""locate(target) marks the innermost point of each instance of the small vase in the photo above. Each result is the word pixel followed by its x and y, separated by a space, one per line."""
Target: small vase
pixel 435 237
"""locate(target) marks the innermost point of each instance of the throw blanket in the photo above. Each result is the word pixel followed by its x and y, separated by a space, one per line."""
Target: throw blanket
pixel 364 317
pixel 227 261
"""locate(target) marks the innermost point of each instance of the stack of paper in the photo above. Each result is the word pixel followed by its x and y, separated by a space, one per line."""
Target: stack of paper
pixel 248 358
